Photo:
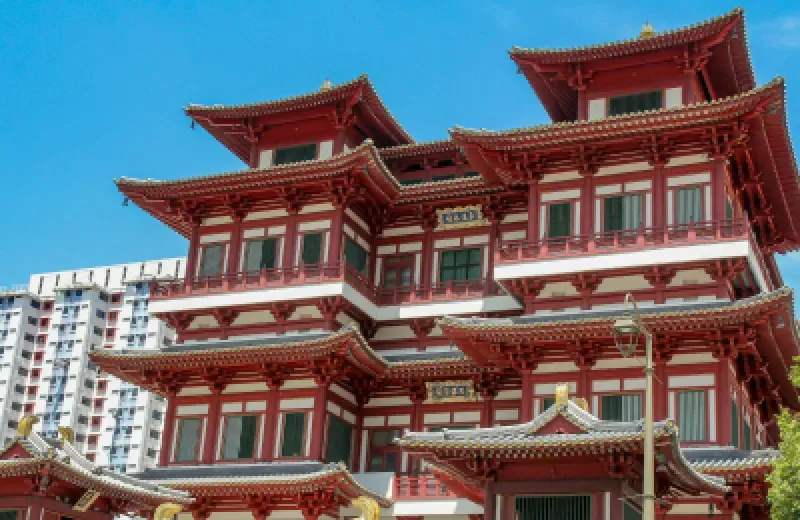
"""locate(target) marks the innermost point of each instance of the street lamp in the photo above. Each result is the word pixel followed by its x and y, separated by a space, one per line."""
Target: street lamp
pixel 627 330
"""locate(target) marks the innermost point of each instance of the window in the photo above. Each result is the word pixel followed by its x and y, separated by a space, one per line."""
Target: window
pixel 28 408
pixel 293 154
pixel 688 205
pixel 631 103
pixel 32 391
pixel 623 407
pixel 312 249
pixel 97 421
pixel 98 405
pixel 340 440
pixel 445 177
pixel 8 514
pixel 100 314
pixel 692 415
pixel 260 254
pixel 44 322
pixel 188 437
pixel 622 212
pixel 382 455
pixel 293 427
pixel 102 385
pixel 211 263
pixel 734 424
pixel 547 402
pixel 113 315
pixel 240 436
pixel 746 436
pixel 569 507
pixel 110 333
pixel 116 298
pixel 411 182
pixel 36 373
pixel 92 441
pixel 559 220
pixel 355 255
pixel 397 271
pixel 47 306
pixel 460 264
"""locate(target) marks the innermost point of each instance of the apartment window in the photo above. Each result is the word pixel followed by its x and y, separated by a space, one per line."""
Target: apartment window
pixel 97 421
pixel 32 391
pixel 36 373
pixel 188 439
pixel 340 440
pixel 632 103
pixel 90 457
pixel 113 315
pixel 383 456
pixel 110 333
pixel 293 154
pixel 559 221
pixel 31 320
pixel 102 385
pixel 692 415
pixel 47 306
pixel 98 405
pixel 355 255
pixel 92 441
pixel 293 427
pixel 240 435
pixel 622 212
pixel 621 407
pixel 688 205
pixel 734 424
pixel 28 408
pixel 397 271
pixel 261 254
pixel 44 322
pixel 116 298
pixel 211 263
pixel 312 248
pixel 460 264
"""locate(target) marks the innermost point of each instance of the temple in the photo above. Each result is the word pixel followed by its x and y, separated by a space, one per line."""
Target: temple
pixel 378 327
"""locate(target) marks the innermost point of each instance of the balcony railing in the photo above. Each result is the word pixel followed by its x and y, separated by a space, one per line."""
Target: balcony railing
pixel 621 241
pixel 310 274
pixel 420 488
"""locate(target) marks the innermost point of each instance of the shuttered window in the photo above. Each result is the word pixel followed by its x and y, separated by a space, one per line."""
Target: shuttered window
pixel 188 437
pixel 312 248
pixel 734 424
pixel 340 441
pixel 631 103
pixel 622 212
pixel 293 426
pixel 293 154
pixel 261 254
pixel 240 435
pixel 692 415
pixel 621 407
pixel 560 220
pixel 577 507
pixel 212 260
pixel 688 205
pixel 460 264
pixel 355 256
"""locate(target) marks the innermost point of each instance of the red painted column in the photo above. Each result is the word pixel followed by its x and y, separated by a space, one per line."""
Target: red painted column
pixel 583 104
pixel 289 243
pixel 270 424
pixel 587 204
pixel 487 415
pixel 493 236
pixel 417 425
pixel 508 507
pixel 533 210
pixel 358 432
pixel 526 401
pixel 718 197
pixel 318 421
pixel 426 271
pixel 660 391
pixel 235 245
pixel 191 258
pixel 166 434
pixel 488 503
pixel 336 237
pixel 659 197
pixel 584 388
pixel 724 402
pixel 212 429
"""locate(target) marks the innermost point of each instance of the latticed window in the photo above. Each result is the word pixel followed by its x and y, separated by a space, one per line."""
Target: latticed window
pixel 622 212
pixel 355 255
pixel 261 254
pixel 460 264
pixel 340 441
pixel 383 456
pixel 621 407
pixel 294 424
pixel 293 154
pixel 188 438
pixel 567 507
pixel 632 103
pixel 747 436
pixel 734 424
pixel 211 263
pixel 559 220
pixel 397 271
pixel 312 248
pixel 689 205
pixel 240 435
pixel 692 415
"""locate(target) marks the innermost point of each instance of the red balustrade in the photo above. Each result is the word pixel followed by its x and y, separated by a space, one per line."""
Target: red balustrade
pixel 627 240
pixel 420 488
pixel 439 291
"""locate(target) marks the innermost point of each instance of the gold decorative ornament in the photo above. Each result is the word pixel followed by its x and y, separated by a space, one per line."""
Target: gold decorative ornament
pixel 582 403
pixel 326 85
pixel 86 500
pixel 166 511
pixel 647 31
pixel 67 434
pixel 25 426
pixel 562 394
pixel 451 391
pixel 460 217
pixel 370 510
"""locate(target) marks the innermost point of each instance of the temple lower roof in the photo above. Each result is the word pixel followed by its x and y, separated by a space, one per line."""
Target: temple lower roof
pixel 721 459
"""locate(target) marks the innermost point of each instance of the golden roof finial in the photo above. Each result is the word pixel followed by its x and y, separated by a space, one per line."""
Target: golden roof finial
pixel 562 394
pixel 167 511
pixel 25 426
pixel 647 31
pixel 67 434
pixel 326 85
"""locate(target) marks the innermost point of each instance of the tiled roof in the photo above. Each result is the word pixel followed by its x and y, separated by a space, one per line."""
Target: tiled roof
pixel 723 459
pixel 416 149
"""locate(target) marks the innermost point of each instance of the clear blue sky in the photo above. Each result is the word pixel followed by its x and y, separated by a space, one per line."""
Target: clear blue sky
pixel 91 91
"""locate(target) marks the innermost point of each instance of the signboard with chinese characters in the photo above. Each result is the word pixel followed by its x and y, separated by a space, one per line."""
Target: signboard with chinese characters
pixel 460 217
pixel 451 391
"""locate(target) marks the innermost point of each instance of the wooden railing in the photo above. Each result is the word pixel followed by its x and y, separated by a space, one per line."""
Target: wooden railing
pixel 420 488
pixel 438 291
pixel 620 241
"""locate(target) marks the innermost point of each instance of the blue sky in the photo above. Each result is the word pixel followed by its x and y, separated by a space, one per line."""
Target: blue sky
pixel 91 91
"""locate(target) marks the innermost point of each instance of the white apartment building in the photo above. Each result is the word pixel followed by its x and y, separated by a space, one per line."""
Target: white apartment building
pixel 46 331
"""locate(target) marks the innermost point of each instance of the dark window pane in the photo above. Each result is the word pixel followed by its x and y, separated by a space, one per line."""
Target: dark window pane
pixel 339 441
pixel 10 514
pixel 212 260
pixel 460 264
pixel 260 254
pixel 632 103
pixel 547 402
pixel 240 433
pixel 622 212
pixel 293 154
pixel 312 248
pixel 410 182
pixel 688 205
pixel 746 437
pixel 734 424
pixel 355 256
pixel 188 436
pixel 560 220
pixel 293 426
pixel 611 408
pixel 558 507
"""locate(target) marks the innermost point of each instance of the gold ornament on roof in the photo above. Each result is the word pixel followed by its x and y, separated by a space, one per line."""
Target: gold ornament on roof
pixel 67 434
pixel 25 426
pixel 166 511
pixel 370 510
pixel 582 403
pixel 562 394
pixel 647 31
pixel 326 85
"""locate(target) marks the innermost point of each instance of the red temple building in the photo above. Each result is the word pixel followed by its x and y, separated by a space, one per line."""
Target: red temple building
pixel 379 327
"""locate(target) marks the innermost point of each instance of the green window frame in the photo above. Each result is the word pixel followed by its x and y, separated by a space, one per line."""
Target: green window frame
pixel 632 103
pixel 689 205
pixel 340 441
pixel 621 407
pixel 294 154
pixel 734 424
pixel 188 439
pixel 692 412
pixel 747 436
pixel 547 507
pixel 239 437
pixel 294 425
pixel 311 253
pixel 460 264
pixel 211 262
pixel 559 220
pixel 355 255
pixel 622 212
pixel 261 254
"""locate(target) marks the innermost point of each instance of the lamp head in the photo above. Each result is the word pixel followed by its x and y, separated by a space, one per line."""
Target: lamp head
pixel 626 335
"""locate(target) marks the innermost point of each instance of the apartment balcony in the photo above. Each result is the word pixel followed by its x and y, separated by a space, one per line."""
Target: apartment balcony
pixel 645 246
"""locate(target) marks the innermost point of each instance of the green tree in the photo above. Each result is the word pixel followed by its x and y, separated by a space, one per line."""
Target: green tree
pixel 785 476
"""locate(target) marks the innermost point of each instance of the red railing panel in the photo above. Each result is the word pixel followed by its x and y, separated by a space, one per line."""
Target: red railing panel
pixel 420 488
